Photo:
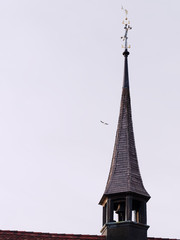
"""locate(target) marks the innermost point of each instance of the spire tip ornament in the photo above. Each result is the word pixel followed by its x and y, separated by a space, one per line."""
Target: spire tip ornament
pixel 127 27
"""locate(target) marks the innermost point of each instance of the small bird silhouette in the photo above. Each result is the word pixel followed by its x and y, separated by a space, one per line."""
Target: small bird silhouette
pixel 104 123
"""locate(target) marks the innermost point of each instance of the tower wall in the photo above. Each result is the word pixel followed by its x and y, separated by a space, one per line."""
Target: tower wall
pixel 125 231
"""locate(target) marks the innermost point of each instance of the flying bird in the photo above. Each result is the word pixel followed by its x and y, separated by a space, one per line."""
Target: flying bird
pixel 104 123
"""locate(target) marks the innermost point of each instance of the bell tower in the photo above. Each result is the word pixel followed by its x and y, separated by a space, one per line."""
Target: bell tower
pixel 124 200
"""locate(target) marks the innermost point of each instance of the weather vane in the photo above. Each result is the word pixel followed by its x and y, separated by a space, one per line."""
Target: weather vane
pixel 127 27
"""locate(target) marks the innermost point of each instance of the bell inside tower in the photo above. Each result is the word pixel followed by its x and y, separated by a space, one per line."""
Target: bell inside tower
pixel 120 210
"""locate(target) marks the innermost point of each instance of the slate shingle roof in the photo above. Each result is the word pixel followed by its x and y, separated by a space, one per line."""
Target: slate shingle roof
pixel 19 235
pixel 124 175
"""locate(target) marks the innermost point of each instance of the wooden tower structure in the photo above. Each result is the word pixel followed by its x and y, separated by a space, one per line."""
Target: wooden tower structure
pixel 124 200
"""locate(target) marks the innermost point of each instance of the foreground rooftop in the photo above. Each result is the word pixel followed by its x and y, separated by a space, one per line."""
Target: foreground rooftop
pixel 21 235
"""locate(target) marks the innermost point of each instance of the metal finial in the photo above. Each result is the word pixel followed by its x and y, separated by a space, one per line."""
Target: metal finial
pixel 127 27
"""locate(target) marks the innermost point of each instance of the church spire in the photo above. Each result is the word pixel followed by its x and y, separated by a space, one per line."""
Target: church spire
pixel 124 174
pixel 125 195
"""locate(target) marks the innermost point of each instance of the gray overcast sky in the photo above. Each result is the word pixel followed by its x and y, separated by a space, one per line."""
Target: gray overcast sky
pixel 61 69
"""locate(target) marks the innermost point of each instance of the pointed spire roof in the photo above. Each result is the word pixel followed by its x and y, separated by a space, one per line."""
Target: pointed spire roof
pixel 124 175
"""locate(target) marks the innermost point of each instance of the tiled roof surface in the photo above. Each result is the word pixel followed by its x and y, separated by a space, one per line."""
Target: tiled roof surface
pixel 124 173
pixel 19 235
